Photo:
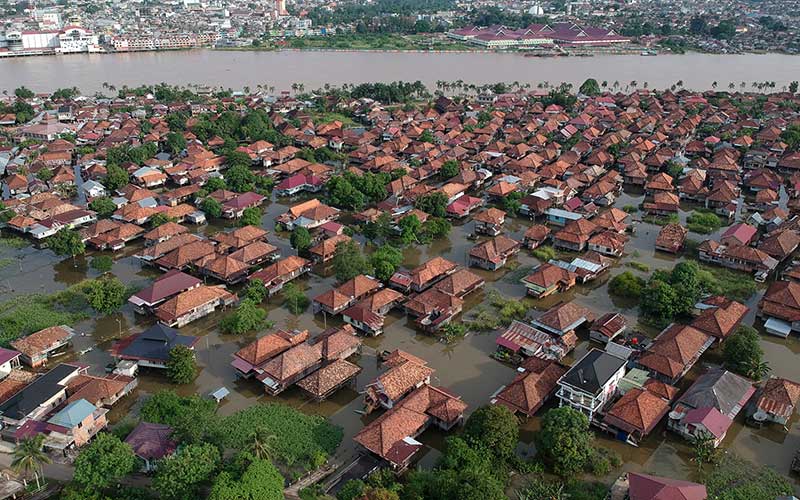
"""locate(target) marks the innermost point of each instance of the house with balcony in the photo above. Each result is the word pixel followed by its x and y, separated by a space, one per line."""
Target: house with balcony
pixel 40 397
pixel 708 407
pixel 40 346
pixel 76 424
pixel 493 253
pixel 151 347
pixel 775 402
pixel 163 288
pixel 591 382
pixel 674 352
pixel 276 275
pixel 194 304
pixel 547 279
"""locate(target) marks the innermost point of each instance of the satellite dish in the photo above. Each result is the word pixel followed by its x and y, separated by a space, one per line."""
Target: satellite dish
pixel 675 415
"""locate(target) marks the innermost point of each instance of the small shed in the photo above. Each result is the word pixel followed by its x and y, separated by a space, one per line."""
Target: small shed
pixel 220 394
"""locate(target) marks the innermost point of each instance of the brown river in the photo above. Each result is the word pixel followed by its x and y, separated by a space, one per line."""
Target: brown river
pixel 236 69
pixel 465 366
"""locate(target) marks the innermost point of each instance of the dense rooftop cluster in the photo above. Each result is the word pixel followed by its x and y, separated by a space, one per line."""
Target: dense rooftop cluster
pixel 531 174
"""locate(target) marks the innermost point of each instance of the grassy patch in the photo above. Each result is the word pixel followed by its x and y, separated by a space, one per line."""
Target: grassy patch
pixel 735 285
pixel 703 222
pixel 502 312
pixel 329 117
pixel 300 440
pixel 5 262
pixel 545 253
pixel 639 266
pixel 733 477
pixel 33 312
pixel 13 242
pixel 661 221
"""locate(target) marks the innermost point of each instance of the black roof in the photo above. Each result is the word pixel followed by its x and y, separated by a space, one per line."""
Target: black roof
pixel 37 392
pixel 156 342
pixel 593 371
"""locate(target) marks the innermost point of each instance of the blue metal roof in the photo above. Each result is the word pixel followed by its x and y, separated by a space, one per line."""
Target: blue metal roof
pixel 73 414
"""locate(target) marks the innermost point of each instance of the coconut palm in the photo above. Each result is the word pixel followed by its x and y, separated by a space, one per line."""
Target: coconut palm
pixel 30 457
pixel 262 444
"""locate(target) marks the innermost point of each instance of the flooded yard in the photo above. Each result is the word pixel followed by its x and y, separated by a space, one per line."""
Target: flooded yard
pixel 465 366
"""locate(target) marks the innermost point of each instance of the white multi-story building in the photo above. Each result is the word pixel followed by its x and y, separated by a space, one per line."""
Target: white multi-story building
pixel 591 382
pixel 74 39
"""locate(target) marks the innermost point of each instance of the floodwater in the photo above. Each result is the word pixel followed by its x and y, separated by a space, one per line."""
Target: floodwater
pixel 235 69
pixel 465 366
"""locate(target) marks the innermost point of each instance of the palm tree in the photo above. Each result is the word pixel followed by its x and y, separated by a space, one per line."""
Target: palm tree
pixel 30 457
pixel 759 370
pixel 731 85
pixel 714 84
pixel 262 444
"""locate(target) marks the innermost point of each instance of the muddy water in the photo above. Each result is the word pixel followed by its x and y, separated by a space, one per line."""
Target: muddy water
pixel 464 366
pixel 315 69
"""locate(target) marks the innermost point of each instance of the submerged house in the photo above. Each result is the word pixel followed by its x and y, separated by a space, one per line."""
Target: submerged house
pixel 151 347
pixel 709 406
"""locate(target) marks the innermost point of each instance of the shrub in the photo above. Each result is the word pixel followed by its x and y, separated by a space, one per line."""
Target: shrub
pixel 627 285
pixel 545 253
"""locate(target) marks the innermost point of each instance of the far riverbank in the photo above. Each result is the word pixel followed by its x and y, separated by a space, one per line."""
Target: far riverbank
pixel 279 69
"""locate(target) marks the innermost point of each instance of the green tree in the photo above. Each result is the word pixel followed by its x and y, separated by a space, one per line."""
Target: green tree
pixel 103 461
pixel 349 262
pixel 626 284
pixel 181 365
pixel 182 475
pixel 66 242
pixel 211 207
pixel 385 260
pixel 432 203
pixel 251 217
pixel 24 92
pixel 590 87
pixel 246 318
pixel 427 136
pixel 106 294
pixel 255 291
pixel 495 428
pixel 237 159
pixel 240 178
pixel 564 441
pixel 434 228
pixel 793 87
pixel 215 184
pixel 300 240
pixel 659 301
pixel 116 177
pixel 29 457
pixel 410 227
pixel 352 490
pixel 342 194
pixel 159 219
pixel 294 299
pixel 450 169
pixel 260 481
pixel 176 142
pixel 103 205
pixel 193 418
pixel 742 353
pixel 102 263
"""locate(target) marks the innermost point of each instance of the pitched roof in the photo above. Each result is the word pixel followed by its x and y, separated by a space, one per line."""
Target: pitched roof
pixel 647 487
pixel 73 414
pixel 637 410
pixel 593 371
pixel 151 441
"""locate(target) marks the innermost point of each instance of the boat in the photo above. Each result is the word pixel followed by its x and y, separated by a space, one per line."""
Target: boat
pixel 648 53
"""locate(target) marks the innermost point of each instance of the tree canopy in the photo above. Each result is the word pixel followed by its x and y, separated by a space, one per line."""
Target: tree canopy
pixel 181 475
pixel 349 262
pixel 743 354
pixel 103 461
pixel 564 442
pixel 181 365
pixel 246 318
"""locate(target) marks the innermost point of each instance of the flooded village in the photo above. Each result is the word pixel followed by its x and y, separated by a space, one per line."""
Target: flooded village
pixel 484 246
